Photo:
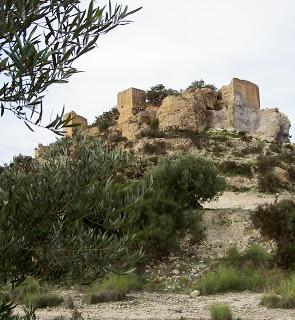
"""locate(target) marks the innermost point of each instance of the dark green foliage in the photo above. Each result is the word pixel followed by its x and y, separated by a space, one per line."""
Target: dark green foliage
pixel 156 220
pixel 277 222
pixel 64 219
pixel 255 256
pixel 235 168
pixel 156 94
pixel 107 119
pixel 153 123
pixel 200 84
pixel 291 171
pixel 39 43
pixel 6 307
pixel 187 179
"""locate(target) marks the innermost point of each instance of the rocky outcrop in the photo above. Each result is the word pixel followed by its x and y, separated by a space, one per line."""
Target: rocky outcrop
pixel 233 107
pixel 272 125
pixel 182 112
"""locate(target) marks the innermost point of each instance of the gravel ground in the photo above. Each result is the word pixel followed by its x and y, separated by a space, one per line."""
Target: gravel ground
pixel 152 306
pixel 244 200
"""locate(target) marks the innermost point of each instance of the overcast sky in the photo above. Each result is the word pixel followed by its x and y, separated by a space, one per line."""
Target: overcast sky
pixel 175 42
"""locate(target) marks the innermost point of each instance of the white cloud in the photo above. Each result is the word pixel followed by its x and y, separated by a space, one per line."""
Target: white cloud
pixel 174 43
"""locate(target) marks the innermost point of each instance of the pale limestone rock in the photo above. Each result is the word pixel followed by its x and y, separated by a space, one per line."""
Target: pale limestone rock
pixel 194 294
pixel 183 112
pixel 272 125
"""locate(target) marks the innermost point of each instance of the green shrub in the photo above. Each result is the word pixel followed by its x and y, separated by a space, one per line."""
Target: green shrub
pixel 125 283
pixel 112 288
pixel 284 296
pixel 107 119
pixel 234 257
pixel 221 280
pixel 230 279
pixel 234 168
pixel 154 124
pixel 65 212
pixel 200 84
pixel 257 256
pixel 271 300
pixel 42 300
pixel 156 221
pixel 29 286
pixel 277 222
pixel 156 94
pixel 186 179
pixel 220 311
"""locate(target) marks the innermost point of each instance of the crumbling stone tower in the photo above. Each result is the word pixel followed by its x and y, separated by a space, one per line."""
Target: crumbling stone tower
pixel 242 103
pixel 127 102
pixel 75 120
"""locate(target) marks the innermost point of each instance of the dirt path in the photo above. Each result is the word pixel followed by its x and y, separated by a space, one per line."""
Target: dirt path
pixel 244 200
pixel 152 306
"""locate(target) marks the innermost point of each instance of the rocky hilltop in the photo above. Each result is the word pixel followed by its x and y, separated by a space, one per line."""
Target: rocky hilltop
pixel 233 107
pixel 249 145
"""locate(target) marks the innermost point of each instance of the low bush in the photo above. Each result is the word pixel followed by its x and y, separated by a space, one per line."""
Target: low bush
pixel 236 279
pixel 104 296
pixel 113 288
pixel 220 311
pixel 268 182
pixel 221 280
pixel 277 222
pixel 255 256
pixel 42 300
pixel 107 119
pixel 186 179
pixel 156 221
pixel 29 286
pixel 284 296
pixel 231 167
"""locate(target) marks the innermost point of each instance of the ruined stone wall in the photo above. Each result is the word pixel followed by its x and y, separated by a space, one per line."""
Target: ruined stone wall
pixel 75 120
pixel 128 101
pixel 242 104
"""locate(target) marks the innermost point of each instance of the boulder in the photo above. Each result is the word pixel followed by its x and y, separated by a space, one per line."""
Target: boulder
pixel 272 125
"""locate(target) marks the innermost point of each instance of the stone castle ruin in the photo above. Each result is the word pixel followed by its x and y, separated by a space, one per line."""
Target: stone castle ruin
pixel 235 106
